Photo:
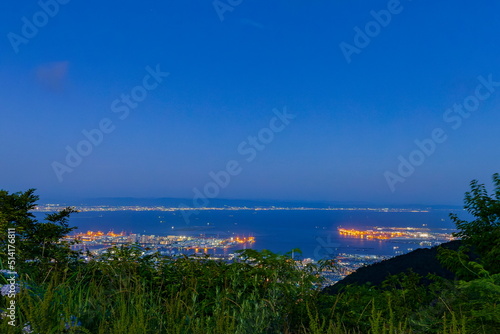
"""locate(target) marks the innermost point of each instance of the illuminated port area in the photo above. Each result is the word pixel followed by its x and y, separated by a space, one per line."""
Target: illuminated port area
pixel 424 235
pixel 97 242
pixel 370 234
pixel 400 236
pixel 347 263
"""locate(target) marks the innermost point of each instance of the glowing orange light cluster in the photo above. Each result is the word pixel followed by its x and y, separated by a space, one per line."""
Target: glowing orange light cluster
pixel 244 239
pixel 369 234
pixel 112 234
pixel 91 235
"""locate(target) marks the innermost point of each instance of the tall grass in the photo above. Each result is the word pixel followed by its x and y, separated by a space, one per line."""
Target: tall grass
pixel 264 293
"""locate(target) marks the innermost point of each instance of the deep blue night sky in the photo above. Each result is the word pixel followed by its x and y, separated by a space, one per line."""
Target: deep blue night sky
pixel 356 113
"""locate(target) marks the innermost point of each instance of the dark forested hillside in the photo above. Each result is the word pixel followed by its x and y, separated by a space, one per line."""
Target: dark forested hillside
pixel 421 261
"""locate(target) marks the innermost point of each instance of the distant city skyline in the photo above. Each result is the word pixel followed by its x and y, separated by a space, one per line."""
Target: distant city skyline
pixel 384 102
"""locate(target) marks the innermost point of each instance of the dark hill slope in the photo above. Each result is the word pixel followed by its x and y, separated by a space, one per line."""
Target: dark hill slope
pixel 421 261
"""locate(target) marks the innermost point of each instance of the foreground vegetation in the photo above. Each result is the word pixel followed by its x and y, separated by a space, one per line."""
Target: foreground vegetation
pixel 125 292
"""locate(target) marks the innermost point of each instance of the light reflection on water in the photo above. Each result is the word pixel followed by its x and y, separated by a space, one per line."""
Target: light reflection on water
pixel 314 232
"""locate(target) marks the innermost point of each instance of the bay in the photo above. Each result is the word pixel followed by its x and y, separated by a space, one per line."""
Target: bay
pixel 314 232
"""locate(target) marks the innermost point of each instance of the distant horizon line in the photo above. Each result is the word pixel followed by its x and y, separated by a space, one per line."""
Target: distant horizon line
pixel 224 201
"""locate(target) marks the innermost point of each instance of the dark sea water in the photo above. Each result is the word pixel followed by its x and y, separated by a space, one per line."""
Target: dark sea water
pixel 314 232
